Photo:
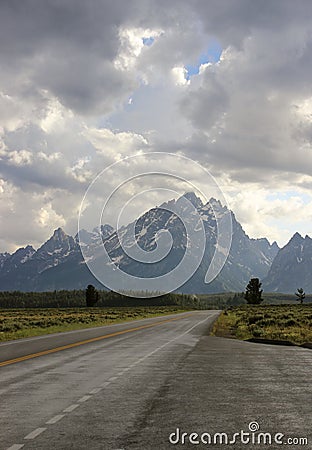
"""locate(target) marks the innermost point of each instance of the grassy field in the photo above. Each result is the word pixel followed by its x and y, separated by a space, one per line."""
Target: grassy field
pixel 282 322
pixel 21 323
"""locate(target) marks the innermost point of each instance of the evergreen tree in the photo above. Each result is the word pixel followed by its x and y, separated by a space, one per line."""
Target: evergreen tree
pixel 253 292
pixel 91 295
pixel 300 294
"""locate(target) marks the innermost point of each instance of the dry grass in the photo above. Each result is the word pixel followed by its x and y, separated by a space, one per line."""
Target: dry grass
pixel 21 323
pixel 281 322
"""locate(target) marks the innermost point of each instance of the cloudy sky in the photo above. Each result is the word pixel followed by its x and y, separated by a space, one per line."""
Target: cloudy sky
pixel 83 84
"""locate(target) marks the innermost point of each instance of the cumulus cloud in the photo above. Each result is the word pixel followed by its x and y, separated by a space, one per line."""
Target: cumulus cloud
pixel 83 85
pixel 276 216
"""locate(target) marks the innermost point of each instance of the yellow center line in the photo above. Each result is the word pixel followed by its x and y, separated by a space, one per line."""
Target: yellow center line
pixel 87 341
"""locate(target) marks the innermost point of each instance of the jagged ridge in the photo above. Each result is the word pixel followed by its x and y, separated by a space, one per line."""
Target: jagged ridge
pixel 58 263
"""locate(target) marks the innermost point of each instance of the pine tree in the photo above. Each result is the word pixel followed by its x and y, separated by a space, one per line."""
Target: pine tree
pixel 253 292
pixel 300 294
pixel 91 295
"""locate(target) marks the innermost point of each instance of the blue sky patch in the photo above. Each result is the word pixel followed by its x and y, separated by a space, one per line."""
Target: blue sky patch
pixel 288 194
pixel 148 41
pixel 212 55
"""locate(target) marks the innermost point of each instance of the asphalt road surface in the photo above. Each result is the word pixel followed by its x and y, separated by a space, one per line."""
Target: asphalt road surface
pixel 142 384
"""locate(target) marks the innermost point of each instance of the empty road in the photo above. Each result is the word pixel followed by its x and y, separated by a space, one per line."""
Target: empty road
pixel 132 385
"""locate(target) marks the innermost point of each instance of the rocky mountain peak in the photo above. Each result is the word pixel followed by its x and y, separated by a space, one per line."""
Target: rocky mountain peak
pixel 192 197
pixel 296 239
pixel 24 251
pixel 59 235
pixel 291 266
pixel 106 230
pixel 59 242
pixel 58 263
pixel 215 203
pixel 84 237
pixel 20 256
pixel 275 246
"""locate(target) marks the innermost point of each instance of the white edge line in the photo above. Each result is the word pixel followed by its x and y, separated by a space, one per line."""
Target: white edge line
pixel 35 433
pixel 55 419
pixel 71 408
pixel 84 398
pixel 95 390
pixel 16 447
pixel 112 379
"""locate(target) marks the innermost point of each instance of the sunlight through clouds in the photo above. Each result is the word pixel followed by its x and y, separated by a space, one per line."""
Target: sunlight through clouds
pixel 228 89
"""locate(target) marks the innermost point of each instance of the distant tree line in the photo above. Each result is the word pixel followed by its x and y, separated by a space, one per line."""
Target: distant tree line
pixel 222 300
pixel 77 299
pixel 50 299
pixel 91 297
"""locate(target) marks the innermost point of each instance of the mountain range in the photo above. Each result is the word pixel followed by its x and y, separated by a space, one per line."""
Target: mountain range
pixel 59 264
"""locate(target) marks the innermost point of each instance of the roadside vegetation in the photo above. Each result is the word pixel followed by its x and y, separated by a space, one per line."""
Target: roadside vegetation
pixel 257 320
pixel 279 322
pixel 25 314
pixel 21 323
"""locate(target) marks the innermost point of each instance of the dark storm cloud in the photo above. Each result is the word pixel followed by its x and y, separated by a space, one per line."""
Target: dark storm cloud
pixel 66 47
pixel 249 108
pixel 69 67
pixel 233 20
pixel 35 24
